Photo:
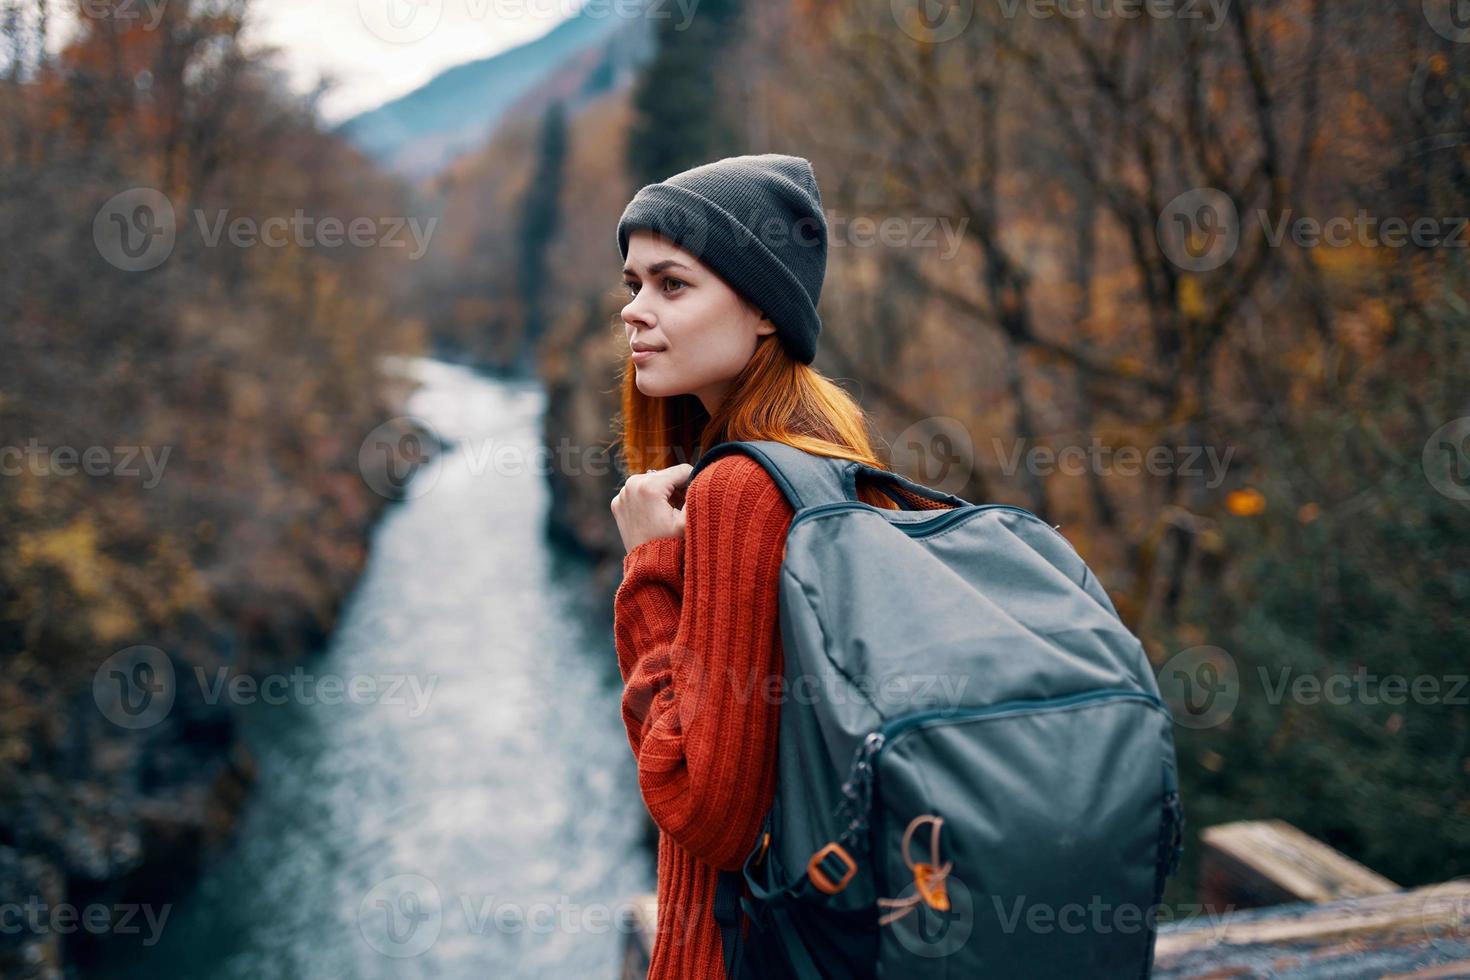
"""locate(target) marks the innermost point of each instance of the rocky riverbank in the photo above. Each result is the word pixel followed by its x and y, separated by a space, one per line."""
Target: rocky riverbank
pixel 103 827
pixel 580 437
pixel 106 819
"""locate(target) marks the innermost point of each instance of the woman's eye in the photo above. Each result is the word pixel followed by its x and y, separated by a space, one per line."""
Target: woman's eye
pixel 632 287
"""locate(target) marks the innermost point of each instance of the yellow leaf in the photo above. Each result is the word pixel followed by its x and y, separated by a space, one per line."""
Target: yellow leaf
pixel 1191 297
pixel 1245 503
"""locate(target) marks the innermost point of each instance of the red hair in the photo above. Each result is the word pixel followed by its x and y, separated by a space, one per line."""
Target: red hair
pixel 774 397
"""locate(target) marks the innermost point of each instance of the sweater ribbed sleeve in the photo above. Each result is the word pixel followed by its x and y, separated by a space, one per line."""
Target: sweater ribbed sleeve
pixel 697 631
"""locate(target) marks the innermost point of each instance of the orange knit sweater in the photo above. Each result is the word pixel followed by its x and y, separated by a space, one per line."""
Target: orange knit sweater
pixel 699 648
pixel 698 636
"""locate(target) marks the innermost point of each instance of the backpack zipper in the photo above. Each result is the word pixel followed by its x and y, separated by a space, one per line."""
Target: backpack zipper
pixel 857 790
pixel 895 726
pixel 918 529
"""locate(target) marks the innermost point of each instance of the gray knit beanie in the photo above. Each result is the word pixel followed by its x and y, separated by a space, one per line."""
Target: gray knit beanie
pixel 757 221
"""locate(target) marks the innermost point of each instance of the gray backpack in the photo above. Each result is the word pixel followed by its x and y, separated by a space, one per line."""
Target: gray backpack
pixel 976 773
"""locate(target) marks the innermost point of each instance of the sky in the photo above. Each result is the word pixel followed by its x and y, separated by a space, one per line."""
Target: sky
pixel 376 49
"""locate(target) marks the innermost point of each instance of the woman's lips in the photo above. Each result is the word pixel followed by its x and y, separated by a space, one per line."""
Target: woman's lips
pixel 639 356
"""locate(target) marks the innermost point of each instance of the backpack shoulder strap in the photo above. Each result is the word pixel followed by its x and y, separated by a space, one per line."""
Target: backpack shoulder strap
pixel 728 892
pixel 806 479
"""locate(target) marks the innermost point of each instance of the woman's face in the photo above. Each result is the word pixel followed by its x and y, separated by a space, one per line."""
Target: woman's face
pixel 705 330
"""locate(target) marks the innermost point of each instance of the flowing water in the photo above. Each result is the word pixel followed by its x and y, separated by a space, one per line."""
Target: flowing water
pixel 472 811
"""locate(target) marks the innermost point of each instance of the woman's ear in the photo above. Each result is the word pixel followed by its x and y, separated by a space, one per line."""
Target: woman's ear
pixel 764 326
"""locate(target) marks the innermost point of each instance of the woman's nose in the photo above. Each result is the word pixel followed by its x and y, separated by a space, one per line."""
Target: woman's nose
pixel 633 313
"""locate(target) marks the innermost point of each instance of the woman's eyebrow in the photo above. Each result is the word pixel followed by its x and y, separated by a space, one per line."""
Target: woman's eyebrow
pixel 658 267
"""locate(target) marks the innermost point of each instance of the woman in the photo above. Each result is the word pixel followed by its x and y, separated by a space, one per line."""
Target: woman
pixel 724 266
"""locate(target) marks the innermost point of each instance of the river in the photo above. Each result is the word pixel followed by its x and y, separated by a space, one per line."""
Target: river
pixel 474 811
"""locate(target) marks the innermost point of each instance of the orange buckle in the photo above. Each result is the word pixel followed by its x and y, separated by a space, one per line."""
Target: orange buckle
pixel 932 891
pixel 819 865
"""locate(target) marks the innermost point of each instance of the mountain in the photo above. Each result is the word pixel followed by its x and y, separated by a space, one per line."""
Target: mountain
pixel 589 53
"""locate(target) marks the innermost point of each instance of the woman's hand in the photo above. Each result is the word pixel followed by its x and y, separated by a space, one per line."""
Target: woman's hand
pixel 644 507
